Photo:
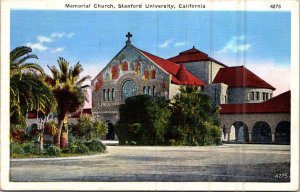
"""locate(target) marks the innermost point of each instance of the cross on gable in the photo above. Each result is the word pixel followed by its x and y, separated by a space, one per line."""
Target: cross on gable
pixel 129 35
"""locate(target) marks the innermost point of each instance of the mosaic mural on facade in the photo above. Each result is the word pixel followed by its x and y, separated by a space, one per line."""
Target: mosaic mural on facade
pixel 129 60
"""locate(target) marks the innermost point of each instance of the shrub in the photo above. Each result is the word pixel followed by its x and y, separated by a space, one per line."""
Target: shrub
pixel 53 150
pixel 16 148
pixel 88 128
pixel 17 134
pixel 81 148
pixel 70 149
pixel 95 146
pixel 30 147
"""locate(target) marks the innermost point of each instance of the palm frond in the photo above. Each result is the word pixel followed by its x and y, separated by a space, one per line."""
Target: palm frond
pixel 30 66
pixel 83 80
pixel 19 52
pixel 23 59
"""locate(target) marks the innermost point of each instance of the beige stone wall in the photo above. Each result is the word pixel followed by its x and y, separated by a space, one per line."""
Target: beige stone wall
pixel 218 90
pixel 173 90
pixel 204 70
pixel 241 94
pixel 214 69
pixel 200 69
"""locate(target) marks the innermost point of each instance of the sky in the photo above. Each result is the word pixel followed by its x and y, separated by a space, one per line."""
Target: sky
pixel 260 41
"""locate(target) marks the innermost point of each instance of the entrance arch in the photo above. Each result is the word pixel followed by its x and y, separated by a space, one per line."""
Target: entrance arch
pixel 283 132
pixel 262 132
pixel 111 131
pixel 239 132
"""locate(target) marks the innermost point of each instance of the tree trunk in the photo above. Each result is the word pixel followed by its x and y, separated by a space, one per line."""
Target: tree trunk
pixel 58 133
pixel 64 139
pixel 41 143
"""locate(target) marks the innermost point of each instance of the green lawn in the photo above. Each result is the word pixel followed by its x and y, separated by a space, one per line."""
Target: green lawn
pixel 28 155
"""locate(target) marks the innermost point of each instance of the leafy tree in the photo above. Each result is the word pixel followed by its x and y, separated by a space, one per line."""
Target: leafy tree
pixel 194 120
pixel 69 93
pixel 143 120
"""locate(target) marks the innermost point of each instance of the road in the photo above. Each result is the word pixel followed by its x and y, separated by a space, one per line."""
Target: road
pixel 229 162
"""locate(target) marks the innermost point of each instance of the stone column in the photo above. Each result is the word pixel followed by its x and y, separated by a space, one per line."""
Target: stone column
pixel 228 136
pixel 250 136
pixel 273 137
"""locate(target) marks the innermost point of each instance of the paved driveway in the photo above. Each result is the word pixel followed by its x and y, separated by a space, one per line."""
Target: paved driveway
pixel 229 162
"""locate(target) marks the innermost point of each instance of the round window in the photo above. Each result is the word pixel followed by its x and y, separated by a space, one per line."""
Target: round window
pixel 128 89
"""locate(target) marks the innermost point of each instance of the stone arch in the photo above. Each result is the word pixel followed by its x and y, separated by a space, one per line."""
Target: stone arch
pixel 262 132
pixel 239 132
pixel 283 132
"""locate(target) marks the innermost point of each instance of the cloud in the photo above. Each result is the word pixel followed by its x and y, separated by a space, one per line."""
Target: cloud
pixel 60 35
pixel 59 49
pixel 70 35
pixel 166 43
pixel 234 45
pixel 42 39
pixel 37 46
pixel 179 44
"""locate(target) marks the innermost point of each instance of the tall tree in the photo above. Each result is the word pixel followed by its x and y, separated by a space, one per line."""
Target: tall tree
pixel 194 120
pixel 69 93
pixel 28 91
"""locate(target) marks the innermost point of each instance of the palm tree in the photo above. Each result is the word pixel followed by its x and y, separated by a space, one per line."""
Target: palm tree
pixel 18 61
pixel 28 90
pixel 68 91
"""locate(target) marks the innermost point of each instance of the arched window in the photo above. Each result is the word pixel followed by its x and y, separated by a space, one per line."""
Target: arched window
pixel 144 90
pixel 264 96
pixel 153 91
pixel 251 96
pixel 128 89
pixel 108 94
pixel 112 94
pixel 149 90
pixel 104 95
pixel 257 95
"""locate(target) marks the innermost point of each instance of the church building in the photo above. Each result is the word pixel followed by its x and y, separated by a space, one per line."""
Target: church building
pixel 134 71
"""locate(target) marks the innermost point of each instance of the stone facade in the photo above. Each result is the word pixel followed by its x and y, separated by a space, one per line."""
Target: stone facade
pixel 204 70
pixel 128 65
pixel 243 95
pixel 217 93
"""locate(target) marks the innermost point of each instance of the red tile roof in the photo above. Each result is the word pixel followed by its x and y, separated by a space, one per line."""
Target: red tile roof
pixel 31 115
pixel 240 77
pixel 193 55
pixel 179 74
pixel 278 104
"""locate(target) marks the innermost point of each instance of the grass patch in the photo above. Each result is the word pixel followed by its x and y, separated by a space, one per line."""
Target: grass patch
pixel 29 155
